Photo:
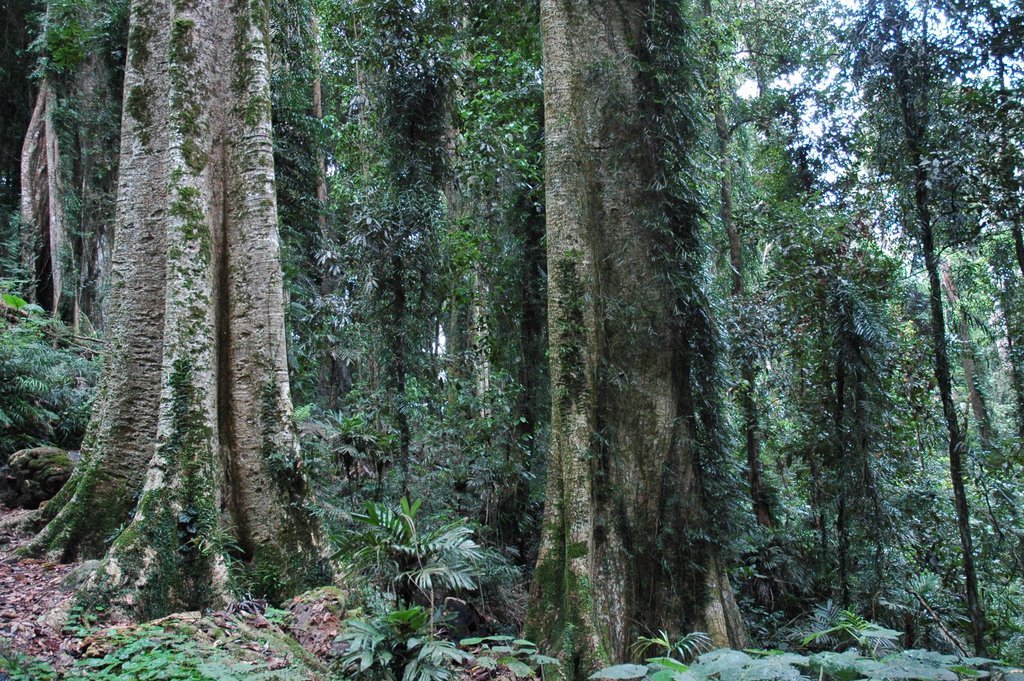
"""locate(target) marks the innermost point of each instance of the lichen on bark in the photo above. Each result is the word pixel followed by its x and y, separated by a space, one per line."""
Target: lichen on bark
pixel 191 463
pixel 636 464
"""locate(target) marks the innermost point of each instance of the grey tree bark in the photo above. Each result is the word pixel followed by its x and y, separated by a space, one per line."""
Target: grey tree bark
pixel 618 554
pixel 68 174
pixel 43 220
pixel 193 416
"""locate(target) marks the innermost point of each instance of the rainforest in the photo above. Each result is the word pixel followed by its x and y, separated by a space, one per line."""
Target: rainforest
pixel 437 340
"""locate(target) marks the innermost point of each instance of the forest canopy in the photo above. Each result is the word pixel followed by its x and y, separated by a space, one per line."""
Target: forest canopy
pixel 666 339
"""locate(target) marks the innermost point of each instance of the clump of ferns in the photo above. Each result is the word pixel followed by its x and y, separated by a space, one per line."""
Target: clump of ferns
pixel 831 627
pixel 775 572
pixel 685 649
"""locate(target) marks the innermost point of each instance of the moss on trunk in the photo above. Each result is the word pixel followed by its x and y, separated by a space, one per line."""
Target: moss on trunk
pixel 192 462
pixel 628 544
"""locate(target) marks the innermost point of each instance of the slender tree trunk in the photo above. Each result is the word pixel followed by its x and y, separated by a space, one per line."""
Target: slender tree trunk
pixel 957 441
pixel 56 226
pixel 977 398
pixel 624 496
pixel 70 159
pixel 1008 170
pixel 1008 294
pixel 839 466
pixel 95 179
pixel 748 367
pixel 912 92
pixel 42 205
pixel 35 190
pixel 193 416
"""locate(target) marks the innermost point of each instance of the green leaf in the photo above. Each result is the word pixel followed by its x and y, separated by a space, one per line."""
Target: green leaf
pixel 674 665
pixel 521 670
pixel 14 301
pixel 621 671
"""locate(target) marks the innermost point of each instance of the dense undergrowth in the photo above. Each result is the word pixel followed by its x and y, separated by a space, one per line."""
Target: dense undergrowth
pixel 48 376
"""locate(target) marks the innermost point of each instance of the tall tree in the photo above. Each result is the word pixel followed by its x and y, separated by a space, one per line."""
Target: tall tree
pixel 743 345
pixel 191 461
pixel 901 63
pixel 636 468
pixel 69 159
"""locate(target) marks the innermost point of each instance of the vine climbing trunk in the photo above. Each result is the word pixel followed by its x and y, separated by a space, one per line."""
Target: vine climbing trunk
pixel 621 550
pixel 191 462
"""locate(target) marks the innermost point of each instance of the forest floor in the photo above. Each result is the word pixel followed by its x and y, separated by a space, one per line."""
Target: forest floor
pixel 33 604
pixel 43 637
pixel 37 627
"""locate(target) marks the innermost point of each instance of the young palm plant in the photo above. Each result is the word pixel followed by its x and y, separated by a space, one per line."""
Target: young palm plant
pixel 389 546
pixel 398 647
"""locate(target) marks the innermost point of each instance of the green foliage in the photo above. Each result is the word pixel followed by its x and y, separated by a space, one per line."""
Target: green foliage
pixel 519 656
pixel 389 545
pixel 832 627
pixel 159 655
pixel 19 667
pixel 399 646
pixel 686 648
pixel 47 380
pixel 734 665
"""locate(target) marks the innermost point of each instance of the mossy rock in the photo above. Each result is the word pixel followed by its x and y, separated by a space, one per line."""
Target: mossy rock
pixel 33 476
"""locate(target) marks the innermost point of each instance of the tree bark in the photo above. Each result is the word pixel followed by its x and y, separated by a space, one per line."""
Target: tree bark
pixel 618 554
pixel 193 416
pixel 44 239
pixel 977 398
pixel 911 90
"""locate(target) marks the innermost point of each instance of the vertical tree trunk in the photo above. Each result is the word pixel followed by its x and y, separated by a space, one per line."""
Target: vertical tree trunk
pixel 977 398
pixel 839 468
pixel 911 88
pixel 42 205
pixel 618 553
pixel 35 189
pixel 56 224
pixel 748 368
pixel 1008 297
pixel 193 416
pixel 70 161
pixel 957 441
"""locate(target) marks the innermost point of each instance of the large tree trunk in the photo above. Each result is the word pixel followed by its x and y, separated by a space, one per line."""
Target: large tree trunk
pixel 618 555
pixel 193 416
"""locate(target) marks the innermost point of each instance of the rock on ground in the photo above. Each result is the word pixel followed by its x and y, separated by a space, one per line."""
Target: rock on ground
pixel 33 476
